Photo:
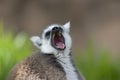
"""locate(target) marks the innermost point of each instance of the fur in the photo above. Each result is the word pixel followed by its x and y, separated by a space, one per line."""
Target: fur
pixel 51 63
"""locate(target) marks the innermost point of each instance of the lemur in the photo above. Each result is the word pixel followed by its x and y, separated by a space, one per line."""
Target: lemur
pixel 53 61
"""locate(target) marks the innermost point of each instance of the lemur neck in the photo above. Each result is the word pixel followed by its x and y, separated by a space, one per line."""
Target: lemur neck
pixel 68 66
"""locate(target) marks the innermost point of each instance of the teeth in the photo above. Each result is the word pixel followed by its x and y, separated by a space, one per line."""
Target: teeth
pixel 59 34
pixel 53 35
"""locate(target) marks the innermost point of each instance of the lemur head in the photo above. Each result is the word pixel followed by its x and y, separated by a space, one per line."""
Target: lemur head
pixel 55 38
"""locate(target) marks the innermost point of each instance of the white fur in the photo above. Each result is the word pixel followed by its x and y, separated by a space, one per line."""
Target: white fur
pixel 36 41
pixel 63 56
pixel 68 67
pixel 67 27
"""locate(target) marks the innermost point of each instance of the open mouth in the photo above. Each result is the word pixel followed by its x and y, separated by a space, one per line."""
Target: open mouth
pixel 58 40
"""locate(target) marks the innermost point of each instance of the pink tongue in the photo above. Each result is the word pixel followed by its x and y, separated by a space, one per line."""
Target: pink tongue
pixel 60 45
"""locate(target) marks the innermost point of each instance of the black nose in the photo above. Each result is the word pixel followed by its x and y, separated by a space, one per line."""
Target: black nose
pixel 55 29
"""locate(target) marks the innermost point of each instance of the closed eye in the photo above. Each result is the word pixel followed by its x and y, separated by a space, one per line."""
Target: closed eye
pixel 47 35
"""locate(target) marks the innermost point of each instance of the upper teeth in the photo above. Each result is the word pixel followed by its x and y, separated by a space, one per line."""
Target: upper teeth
pixel 53 35
pixel 59 33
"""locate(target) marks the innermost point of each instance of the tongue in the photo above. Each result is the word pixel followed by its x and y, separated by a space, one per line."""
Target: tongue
pixel 60 45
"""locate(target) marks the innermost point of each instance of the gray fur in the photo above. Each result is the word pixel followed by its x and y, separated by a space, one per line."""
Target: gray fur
pixel 38 67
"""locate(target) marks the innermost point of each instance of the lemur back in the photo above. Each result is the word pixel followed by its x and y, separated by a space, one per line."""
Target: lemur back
pixel 38 67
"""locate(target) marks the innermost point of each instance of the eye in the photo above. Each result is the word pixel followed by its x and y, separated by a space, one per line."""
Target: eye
pixel 47 35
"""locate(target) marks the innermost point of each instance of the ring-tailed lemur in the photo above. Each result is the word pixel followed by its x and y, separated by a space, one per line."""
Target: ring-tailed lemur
pixel 54 62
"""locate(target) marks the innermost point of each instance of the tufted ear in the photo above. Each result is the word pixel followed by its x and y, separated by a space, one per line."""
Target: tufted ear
pixel 36 41
pixel 67 26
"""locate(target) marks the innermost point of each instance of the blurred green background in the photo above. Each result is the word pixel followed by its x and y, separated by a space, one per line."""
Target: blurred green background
pixel 14 48
pixel 95 31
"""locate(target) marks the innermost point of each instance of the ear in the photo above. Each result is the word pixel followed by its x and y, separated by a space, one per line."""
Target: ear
pixel 67 26
pixel 36 41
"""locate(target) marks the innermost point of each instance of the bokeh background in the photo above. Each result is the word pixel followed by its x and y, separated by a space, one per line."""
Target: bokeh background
pixel 95 30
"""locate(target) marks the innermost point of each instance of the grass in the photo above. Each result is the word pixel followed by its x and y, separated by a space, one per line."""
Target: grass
pixel 100 66
pixel 12 49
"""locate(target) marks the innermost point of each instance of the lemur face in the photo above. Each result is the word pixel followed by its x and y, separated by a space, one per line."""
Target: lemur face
pixel 54 38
